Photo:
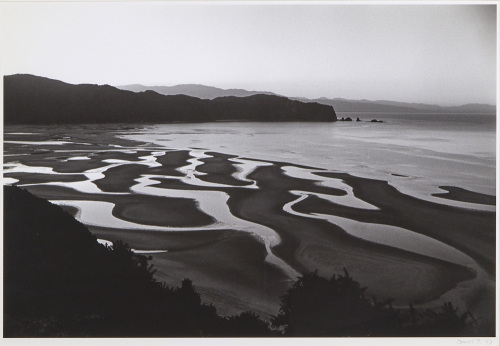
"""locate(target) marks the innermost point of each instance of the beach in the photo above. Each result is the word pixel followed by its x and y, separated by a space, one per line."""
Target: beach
pixel 242 226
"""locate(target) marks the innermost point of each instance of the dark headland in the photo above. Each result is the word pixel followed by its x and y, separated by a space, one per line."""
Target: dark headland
pixel 30 99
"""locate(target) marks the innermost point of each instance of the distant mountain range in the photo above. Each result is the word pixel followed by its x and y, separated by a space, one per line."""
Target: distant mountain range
pixel 195 90
pixel 30 99
pixel 383 106
pixel 339 104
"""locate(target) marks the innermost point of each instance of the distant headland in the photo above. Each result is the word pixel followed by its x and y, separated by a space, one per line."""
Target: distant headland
pixel 30 99
pixel 340 104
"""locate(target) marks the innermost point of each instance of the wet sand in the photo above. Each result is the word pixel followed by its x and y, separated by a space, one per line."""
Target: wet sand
pixel 160 211
pixel 219 170
pixel 316 244
pixel 171 161
pixel 472 232
pixel 228 266
pixel 119 179
pixel 146 210
pixel 30 178
pixel 462 195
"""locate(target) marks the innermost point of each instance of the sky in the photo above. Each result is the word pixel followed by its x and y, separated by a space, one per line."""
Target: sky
pixel 440 54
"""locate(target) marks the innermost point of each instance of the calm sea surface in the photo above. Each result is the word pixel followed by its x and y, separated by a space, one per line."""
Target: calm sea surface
pixel 415 153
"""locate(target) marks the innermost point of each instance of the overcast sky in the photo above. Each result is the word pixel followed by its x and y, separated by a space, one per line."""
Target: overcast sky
pixel 443 54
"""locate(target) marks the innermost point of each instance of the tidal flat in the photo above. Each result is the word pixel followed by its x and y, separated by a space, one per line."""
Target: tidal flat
pixel 242 226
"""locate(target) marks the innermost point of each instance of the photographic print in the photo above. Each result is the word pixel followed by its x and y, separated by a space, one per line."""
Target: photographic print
pixel 249 169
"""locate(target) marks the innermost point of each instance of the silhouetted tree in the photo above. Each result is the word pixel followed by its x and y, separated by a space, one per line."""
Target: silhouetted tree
pixel 59 282
pixel 315 306
pixel 448 321
pixel 247 324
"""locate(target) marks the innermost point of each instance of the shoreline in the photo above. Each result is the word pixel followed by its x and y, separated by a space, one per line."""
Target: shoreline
pixel 306 244
pixel 299 248
pixel 303 239
pixel 472 232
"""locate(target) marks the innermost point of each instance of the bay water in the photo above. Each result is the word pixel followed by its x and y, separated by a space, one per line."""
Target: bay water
pixel 416 153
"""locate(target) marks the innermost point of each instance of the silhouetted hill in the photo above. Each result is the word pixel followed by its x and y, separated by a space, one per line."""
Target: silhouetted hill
pixel 339 104
pixel 281 108
pixel 195 90
pixel 30 99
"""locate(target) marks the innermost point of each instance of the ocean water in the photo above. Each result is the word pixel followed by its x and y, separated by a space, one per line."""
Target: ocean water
pixel 416 153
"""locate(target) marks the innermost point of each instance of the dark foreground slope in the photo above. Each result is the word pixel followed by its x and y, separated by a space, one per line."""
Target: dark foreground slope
pixel 59 282
pixel 30 99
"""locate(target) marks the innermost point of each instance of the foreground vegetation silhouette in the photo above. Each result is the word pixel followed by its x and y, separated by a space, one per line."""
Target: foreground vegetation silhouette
pixel 60 282
pixel 315 306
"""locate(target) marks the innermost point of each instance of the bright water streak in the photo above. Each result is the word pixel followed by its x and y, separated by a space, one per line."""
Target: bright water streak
pixel 431 152
pixel 348 200
pixel 140 252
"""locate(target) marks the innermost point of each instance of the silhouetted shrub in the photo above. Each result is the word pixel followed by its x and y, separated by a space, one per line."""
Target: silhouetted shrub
pixel 315 306
pixel 59 282
pixel 247 324
pixel 448 321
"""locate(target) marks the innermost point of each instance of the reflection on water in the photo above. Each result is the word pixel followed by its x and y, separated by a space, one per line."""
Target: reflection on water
pixel 9 181
pixel 108 243
pixel 348 200
pixel 430 153
pixel 99 213
pixel 415 159
pixel 244 168
pixel 78 158
pixel 387 235
pixel 214 203
pixel 39 142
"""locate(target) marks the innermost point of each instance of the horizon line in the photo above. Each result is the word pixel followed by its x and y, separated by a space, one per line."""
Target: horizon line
pixel 266 91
